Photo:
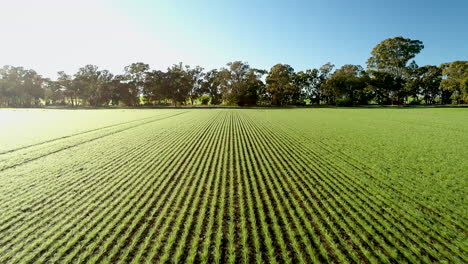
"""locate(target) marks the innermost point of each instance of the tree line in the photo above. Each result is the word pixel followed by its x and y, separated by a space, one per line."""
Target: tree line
pixel 391 77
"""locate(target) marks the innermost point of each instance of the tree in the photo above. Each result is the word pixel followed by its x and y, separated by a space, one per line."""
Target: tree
pixel 325 92
pixel 456 80
pixel 135 75
pixel 12 78
pixel 211 86
pixel 430 78
pixel 153 87
pixel 280 86
pixel 104 92
pixel 425 81
pixel 94 85
pixel 312 84
pixel 301 81
pixel 32 88
pixel 68 87
pixel 239 84
pixel 20 87
pixel 385 87
pixel 178 84
pixel 392 55
pixel 411 86
pixel 308 84
pixel 4 96
pixel 392 76
pixel 196 79
pixel 387 66
pixel 233 80
pixel 349 82
pixel 120 91
pixel 53 93
pixel 251 87
pixel 87 81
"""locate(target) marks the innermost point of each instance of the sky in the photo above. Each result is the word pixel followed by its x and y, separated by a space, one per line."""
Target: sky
pixel 64 35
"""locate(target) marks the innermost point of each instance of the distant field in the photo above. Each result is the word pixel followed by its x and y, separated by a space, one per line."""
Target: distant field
pixel 234 185
pixel 19 126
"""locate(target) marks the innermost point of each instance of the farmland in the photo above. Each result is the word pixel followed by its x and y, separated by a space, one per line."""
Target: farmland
pixel 234 185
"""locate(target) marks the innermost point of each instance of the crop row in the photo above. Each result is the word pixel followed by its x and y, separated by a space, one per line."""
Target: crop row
pixel 221 186
pixel 76 186
pixel 22 155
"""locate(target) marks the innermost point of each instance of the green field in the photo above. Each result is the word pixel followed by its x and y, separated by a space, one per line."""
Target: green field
pixel 234 185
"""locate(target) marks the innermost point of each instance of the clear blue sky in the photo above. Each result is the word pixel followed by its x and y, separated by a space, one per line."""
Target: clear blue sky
pixel 51 35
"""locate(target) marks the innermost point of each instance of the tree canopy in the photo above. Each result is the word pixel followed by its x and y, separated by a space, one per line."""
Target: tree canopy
pixel 392 77
pixel 393 54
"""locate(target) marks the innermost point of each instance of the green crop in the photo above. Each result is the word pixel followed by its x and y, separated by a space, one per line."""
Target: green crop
pixel 234 185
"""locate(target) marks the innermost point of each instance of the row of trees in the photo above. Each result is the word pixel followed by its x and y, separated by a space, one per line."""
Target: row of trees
pixel 391 77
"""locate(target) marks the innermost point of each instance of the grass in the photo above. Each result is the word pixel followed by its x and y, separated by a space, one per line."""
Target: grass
pixel 234 185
